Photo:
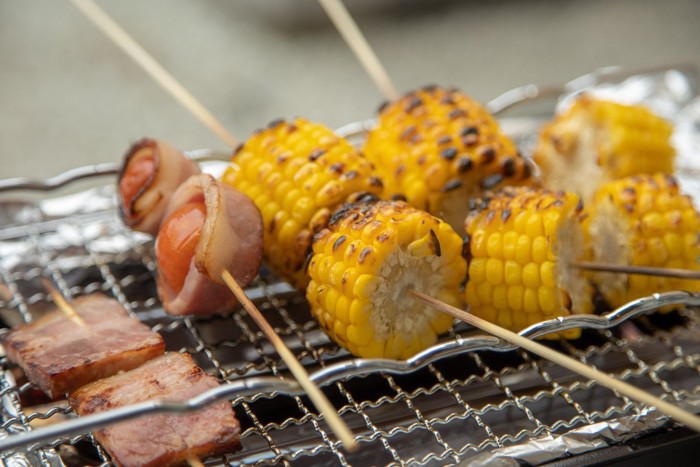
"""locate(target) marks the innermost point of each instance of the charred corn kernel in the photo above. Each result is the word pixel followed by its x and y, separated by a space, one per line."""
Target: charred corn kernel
pixel 436 148
pixel 394 248
pixel 595 141
pixel 532 225
pixel 305 172
pixel 642 221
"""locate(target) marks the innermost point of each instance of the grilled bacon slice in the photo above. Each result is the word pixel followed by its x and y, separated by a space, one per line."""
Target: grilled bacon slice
pixel 59 355
pixel 151 172
pixel 208 227
pixel 160 440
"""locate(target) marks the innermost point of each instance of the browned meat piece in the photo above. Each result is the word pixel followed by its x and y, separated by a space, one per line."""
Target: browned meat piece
pixel 160 440
pixel 59 355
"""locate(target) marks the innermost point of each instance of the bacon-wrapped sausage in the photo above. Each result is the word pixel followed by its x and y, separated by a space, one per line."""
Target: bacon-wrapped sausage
pixel 208 227
pixel 152 171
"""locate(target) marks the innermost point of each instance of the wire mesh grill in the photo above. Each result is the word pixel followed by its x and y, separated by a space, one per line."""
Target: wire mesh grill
pixel 446 412
pixel 452 409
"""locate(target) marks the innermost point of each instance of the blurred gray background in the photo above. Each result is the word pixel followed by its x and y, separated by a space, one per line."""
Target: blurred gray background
pixel 69 97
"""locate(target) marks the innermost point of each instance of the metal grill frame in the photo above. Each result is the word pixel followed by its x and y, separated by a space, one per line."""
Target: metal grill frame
pixel 430 417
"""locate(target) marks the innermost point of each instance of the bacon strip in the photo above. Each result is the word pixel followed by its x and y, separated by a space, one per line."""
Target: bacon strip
pixel 232 239
pixel 142 207
pixel 59 355
pixel 160 440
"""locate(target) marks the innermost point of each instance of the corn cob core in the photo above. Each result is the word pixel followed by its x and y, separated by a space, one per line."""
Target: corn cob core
pixel 643 220
pixel 297 174
pixel 520 242
pixel 364 263
pixel 596 140
pixel 437 148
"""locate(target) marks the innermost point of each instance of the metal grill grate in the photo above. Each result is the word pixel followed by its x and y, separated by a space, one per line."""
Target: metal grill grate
pixel 447 405
pixel 445 412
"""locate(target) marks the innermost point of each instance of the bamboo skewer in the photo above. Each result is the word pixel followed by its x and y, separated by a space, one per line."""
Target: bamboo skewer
pixel 357 42
pixel 167 81
pixel 319 399
pixel 62 303
pixel 642 270
pixel 687 418
pixel 122 39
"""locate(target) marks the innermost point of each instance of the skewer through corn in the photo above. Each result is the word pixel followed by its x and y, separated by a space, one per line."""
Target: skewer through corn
pixel 520 242
pixel 364 263
pixel 643 220
pixel 595 141
pixel 298 173
pixel 436 148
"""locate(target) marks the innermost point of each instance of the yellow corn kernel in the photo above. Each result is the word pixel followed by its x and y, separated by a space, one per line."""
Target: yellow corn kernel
pixel 437 147
pixel 378 317
pixel 628 213
pixel 546 228
pixel 303 168
pixel 596 141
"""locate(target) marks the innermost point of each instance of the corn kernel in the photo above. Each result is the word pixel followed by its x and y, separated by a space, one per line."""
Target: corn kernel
pixel 531 275
pixel 494 271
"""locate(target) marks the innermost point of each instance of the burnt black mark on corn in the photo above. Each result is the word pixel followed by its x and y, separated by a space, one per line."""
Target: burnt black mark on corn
pixel 579 206
pixel 350 175
pixel 275 123
pixel 464 164
pixel 436 243
pixel 431 88
pixel 383 237
pixel 338 167
pixel 308 262
pixel 508 165
pixel 490 216
pixel 487 155
pixel 452 185
pixel 316 153
pixel 470 140
pixel 281 159
pixel 238 149
pixel 505 215
pixel 467 248
pixel 448 153
pixel 456 113
pixel 443 140
pixel 363 254
pixel 398 197
pixel 407 133
pixel 469 130
pixel 340 240
pixel 382 106
pixel 413 104
pixel 376 182
pixel 491 181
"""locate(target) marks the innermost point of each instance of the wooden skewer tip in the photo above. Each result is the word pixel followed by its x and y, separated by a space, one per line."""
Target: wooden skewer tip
pixel 62 303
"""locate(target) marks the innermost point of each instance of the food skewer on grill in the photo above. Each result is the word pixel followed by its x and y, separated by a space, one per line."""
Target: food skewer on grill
pixel 64 350
pixel 135 51
pixel 558 221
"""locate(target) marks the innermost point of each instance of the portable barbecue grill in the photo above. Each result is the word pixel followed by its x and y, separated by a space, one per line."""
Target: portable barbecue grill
pixel 471 398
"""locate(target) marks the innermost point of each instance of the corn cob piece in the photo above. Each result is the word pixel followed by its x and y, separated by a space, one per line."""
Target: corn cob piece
pixel 643 220
pixel 437 148
pixel 298 173
pixel 520 242
pixel 596 141
pixel 362 266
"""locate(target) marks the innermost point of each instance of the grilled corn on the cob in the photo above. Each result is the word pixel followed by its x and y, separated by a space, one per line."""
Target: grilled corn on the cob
pixel 643 220
pixel 298 173
pixel 520 241
pixel 362 266
pixel 596 140
pixel 436 148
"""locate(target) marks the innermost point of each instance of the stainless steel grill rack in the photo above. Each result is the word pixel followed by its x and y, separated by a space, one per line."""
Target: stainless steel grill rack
pixel 471 398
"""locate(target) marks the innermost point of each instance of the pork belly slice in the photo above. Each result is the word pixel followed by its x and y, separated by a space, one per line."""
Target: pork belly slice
pixel 160 440
pixel 59 355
